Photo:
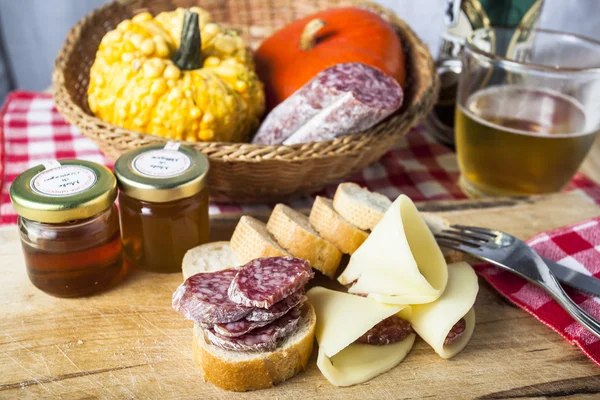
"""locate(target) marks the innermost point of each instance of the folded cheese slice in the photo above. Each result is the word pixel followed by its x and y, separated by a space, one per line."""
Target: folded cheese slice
pixel 341 319
pixel 358 363
pixel 400 262
pixel 433 321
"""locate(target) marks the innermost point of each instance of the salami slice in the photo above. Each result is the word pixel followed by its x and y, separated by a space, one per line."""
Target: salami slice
pixel 265 281
pixel 261 339
pixel 391 330
pixel 340 100
pixel 238 328
pixel 278 309
pixel 203 298
pixel 457 330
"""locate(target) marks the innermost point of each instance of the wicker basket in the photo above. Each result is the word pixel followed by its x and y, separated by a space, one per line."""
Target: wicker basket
pixel 239 171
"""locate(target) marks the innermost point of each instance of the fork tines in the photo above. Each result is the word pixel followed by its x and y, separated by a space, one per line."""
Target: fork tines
pixel 467 235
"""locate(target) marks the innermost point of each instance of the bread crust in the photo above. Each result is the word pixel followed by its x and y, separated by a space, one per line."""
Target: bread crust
pixel 251 240
pixel 331 226
pixel 260 372
pixel 295 234
pixel 354 211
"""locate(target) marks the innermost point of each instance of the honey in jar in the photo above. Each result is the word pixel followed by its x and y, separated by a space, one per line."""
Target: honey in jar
pixel 69 227
pixel 163 204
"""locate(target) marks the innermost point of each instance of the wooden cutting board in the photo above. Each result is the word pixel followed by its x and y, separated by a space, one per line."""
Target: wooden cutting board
pixel 129 343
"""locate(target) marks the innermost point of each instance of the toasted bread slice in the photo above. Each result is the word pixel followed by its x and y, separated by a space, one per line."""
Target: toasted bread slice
pixel 331 226
pixel 359 206
pixel 208 257
pixel 239 371
pixel 294 233
pixel 252 240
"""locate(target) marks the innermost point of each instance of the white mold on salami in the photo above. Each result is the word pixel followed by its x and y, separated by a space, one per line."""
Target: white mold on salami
pixel 203 298
pixel 341 100
pixel 266 281
pixel 261 339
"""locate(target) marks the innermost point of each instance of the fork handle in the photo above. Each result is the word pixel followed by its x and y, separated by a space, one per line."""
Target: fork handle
pixel 580 315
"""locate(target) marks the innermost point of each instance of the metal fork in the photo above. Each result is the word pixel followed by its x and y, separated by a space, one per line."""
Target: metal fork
pixel 512 254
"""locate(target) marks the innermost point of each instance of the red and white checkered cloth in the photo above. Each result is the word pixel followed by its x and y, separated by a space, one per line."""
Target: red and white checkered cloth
pixel 32 132
pixel 577 247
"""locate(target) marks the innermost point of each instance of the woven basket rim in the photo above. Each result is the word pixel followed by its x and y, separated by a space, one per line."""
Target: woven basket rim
pixel 414 49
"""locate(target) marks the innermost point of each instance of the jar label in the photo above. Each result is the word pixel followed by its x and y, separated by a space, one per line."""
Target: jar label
pixel 162 163
pixel 62 181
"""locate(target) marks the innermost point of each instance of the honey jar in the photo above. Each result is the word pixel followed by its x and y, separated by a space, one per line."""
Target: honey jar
pixel 69 227
pixel 163 204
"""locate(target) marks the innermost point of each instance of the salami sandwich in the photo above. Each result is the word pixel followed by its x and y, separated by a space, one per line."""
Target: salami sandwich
pixel 252 328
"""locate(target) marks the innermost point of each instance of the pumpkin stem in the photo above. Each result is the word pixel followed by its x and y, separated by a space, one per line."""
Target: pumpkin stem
pixel 189 54
pixel 308 39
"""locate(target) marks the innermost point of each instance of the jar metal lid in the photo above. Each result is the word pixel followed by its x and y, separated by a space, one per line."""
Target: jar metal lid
pixel 160 173
pixel 65 190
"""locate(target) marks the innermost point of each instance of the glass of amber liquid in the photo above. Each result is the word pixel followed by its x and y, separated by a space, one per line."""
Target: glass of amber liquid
pixel 528 110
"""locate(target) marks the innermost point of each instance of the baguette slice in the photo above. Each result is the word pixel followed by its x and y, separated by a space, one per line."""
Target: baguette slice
pixel 294 232
pixel 252 240
pixel 208 257
pixel 240 371
pixel 331 226
pixel 359 206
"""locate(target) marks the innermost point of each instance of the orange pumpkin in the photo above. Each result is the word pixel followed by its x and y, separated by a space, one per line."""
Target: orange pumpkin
pixel 295 54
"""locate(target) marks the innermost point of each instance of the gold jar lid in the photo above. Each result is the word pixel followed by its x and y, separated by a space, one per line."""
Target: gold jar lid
pixel 160 173
pixel 65 190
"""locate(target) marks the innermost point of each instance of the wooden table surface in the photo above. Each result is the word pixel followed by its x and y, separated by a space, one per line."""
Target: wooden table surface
pixel 129 343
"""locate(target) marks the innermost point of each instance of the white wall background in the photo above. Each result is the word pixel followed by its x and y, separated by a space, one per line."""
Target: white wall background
pixel 33 30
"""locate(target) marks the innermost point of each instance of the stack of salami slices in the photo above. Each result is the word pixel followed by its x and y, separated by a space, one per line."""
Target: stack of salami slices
pixel 250 309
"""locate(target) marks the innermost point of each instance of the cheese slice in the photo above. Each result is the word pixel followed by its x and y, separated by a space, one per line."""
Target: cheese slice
pixel 358 363
pixel 342 318
pixel 433 321
pixel 400 258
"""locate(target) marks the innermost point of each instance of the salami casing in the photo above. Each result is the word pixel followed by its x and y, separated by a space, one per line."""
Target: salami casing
pixel 391 330
pixel 260 339
pixel 203 298
pixel 340 100
pixel 266 281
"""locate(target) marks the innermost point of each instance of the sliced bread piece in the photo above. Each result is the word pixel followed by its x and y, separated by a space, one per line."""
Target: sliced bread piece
pixel 331 226
pixel 252 240
pixel 239 371
pixel 359 206
pixel 294 233
pixel 208 257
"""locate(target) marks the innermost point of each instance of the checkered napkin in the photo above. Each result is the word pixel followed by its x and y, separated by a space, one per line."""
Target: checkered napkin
pixel 577 247
pixel 32 132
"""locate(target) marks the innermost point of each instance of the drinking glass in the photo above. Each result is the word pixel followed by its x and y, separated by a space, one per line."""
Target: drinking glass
pixel 528 109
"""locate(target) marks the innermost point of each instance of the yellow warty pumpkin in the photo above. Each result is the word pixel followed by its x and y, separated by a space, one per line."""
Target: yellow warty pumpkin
pixel 177 75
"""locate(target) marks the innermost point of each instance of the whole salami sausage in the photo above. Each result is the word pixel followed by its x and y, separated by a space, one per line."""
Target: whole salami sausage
pixel 260 339
pixel 203 298
pixel 391 330
pixel 340 100
pixel 457 330
pixel 266 281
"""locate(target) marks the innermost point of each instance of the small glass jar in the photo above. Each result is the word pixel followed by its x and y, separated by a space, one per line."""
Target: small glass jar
pixel 163 204
pixel 69 227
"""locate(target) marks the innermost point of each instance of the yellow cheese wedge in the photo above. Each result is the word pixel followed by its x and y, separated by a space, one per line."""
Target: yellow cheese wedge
pixel 342 318
pixel 433 321
pixel 358 363
pixel 400 258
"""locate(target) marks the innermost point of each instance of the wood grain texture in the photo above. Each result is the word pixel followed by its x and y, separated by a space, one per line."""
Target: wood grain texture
pixel 129 343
